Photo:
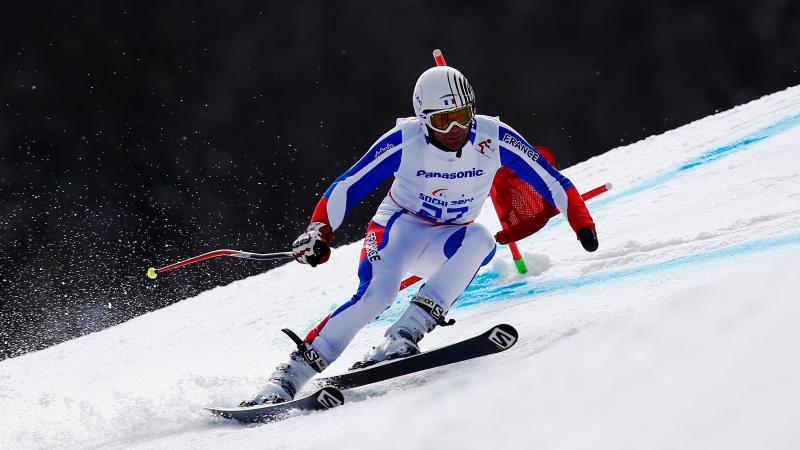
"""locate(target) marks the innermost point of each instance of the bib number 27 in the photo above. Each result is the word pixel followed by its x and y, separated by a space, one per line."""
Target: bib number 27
pixel 438 214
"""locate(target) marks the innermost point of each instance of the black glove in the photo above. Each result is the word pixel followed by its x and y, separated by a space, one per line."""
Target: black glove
pixel 313 246
pixel 588 238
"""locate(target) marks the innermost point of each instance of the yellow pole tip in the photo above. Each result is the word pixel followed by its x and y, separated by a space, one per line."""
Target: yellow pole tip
pixel 151 273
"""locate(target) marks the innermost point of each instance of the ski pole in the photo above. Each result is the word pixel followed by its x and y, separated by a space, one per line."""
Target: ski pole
pixel 152 272
pixel 596 191
pixel 409 281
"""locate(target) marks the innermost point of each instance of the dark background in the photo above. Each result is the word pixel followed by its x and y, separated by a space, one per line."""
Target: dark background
pixel 134 135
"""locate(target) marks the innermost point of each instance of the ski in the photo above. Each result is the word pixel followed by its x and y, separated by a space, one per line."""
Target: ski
pixel 495 340
pixel 325 398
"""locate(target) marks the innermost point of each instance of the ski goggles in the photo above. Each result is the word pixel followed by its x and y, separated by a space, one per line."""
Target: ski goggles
pixel 443 121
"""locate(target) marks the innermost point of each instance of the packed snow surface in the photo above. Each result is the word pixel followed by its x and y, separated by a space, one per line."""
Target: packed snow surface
pixel 680 332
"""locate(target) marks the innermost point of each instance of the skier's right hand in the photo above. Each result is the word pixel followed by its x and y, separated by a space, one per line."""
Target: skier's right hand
pixel 313 246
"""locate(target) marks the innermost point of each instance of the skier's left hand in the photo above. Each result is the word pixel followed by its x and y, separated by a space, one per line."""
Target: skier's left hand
pixel 588 238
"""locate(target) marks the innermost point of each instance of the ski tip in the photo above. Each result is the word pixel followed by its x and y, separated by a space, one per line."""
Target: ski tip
pixel 504 336
pixel 329 397
pixel 508 328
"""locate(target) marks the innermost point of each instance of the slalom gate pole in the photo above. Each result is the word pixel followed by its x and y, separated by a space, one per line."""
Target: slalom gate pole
pixel 439 57
pixel 515 253
pixel 519 262
pixel 152 272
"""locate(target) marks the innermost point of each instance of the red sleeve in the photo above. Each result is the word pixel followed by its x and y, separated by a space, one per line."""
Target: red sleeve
pixel 577 214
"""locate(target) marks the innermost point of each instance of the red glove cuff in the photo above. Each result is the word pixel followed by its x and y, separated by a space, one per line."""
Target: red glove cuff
pixel 325 230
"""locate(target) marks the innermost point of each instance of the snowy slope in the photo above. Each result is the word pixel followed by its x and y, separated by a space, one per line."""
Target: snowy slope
pixel 678 333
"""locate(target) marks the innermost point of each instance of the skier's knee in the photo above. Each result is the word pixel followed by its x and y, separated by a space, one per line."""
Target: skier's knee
pixel 381 293
pixel 481 237
pixel 483 242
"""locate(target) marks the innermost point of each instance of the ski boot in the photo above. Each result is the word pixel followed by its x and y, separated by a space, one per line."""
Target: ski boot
pixel 289 377
pixel 421 316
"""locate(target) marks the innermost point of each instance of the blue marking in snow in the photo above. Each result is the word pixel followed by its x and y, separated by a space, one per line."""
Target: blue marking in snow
pixel 484 289
pixel 710 156
pixel 721 152
pixel 475 295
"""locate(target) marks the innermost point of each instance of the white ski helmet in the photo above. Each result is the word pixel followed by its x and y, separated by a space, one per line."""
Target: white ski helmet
pixel 442 88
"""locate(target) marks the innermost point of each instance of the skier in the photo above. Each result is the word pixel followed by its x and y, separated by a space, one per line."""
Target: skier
pixel 443 162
